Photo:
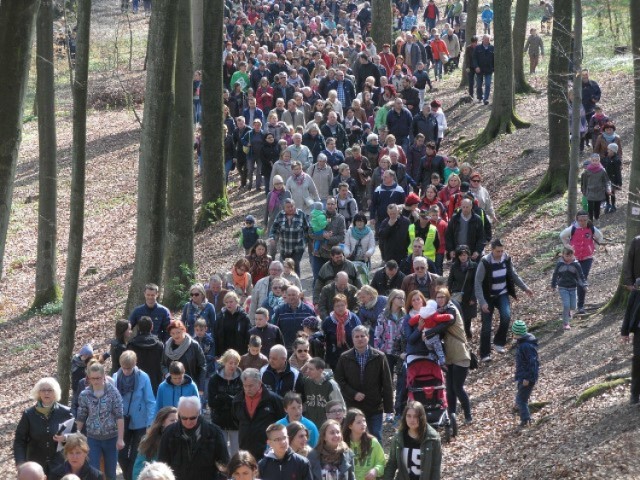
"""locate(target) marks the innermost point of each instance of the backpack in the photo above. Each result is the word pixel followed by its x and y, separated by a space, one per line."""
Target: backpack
pixel 593 232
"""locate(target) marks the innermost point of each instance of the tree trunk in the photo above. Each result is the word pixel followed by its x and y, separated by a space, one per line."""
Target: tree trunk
pixel 76 208
pixel 381 22
pixel 154 150
pixel 633 206
pixel 556 179
pixel 574 165
pixel 519 34
pixel 179 248
pixel 471 28
pixel 214 191
pixel 16 34
pixel 197 16
pixel 47 289
pixel 503 117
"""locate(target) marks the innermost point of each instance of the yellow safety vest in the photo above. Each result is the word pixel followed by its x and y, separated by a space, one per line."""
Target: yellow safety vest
pixel 429 249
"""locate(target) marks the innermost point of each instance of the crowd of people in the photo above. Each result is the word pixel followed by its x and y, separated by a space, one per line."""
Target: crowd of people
pixel 260 379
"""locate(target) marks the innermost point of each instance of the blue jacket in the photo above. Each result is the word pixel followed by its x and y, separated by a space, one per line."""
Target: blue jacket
pixel 348 88
pixel 140 404
pixel 415 344
pixel 169 394
pixel 329 327
pixel 382 197
pixel 189 317
pixel 160 316
pixel 369 316
pixel 527 365
pixel 208 346
pixel 313 430
pixel 483 58
pixel 487 16
pixel 399 124
pixel 290 321
pixel 257 115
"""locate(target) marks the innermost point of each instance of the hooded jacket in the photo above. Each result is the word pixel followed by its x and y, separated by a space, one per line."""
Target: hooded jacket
pixel 169 394
pixel 527 365
pixel 140 404
pixel 318 395
pixel 283 382
pixel 221 392
pixel 346 469
pixel 148 348
pixel 291 467
pixel 239 339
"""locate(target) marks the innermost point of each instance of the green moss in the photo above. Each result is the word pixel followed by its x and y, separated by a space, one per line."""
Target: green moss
pixel 600 389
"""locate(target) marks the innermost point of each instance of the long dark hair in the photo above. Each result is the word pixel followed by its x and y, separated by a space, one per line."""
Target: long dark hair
pixel 242 458
pixel 422 418
pixel 150 444
pixel 367 438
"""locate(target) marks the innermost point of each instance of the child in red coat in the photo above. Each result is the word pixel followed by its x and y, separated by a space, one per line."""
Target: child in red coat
pixel 432 319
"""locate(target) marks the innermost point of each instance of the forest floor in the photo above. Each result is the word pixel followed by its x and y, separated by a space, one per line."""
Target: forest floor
pixel 597 439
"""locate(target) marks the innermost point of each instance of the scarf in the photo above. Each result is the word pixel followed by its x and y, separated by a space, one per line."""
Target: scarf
pixel 341 334
pixel 274 301
pixel 299 179
pixel 177 353
pixel 595 167
pixel 42 410
pixel 333 457
pixel 240 281
pixel 360 233
pixel 196 310
pixel 126 384
pixel 260 264
pixel 609 138
pixel 371 148
pixel 274 199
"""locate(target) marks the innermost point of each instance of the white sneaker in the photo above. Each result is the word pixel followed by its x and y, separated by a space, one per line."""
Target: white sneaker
pixel 486 359
pixel 499 348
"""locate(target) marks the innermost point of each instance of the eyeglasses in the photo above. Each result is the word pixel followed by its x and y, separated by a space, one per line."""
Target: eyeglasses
pixel 46 390
pixel 475 180
pixel 303 351
pixel 189 419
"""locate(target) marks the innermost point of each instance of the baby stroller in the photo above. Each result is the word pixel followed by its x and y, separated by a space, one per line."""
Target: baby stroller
pixel 425 384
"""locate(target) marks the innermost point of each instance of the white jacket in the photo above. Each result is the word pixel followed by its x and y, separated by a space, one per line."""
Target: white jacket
pixel 368 244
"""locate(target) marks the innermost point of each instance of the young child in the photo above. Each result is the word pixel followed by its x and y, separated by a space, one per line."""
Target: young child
pixel 290 274
pixel 268 334
pixel 292 403
pixel 318 221
pixel 487 18
pixel 249 234
pixel 253 358
pixel 527 367
pixel 319 388
pixel 176 385
pixel 436 181
pixel 311 327
pixel 428 313
pixel 612 164
pixel 207 344
pixel 567 276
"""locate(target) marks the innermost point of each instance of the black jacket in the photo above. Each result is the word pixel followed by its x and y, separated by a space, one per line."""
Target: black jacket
pixel 252 431
pixel 340 136
pixel 86 473
pixel 194 462
pixel 34 437
pixel 475 235
pixel 239 341
pixel 314 144
pixel 221 393
pixel 290 380
pixel 292 466
pixel 483 59
pixel 383 284
pixel 149 350
pixel 394 239
pixel 195 365
pixel 426 125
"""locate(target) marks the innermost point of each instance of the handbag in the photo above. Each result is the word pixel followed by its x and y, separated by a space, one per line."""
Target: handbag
pixel 473 363
pixel 457 296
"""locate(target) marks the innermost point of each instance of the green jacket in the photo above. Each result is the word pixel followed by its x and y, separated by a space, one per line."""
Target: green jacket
pixel 430 457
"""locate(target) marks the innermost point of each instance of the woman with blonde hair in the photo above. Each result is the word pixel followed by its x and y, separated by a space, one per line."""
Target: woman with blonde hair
pixel 76 453
pixel 232 326
pixel 332 457
pixel 198 307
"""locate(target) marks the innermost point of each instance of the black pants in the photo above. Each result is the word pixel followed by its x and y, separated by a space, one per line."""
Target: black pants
pixel 456 377
pixel 127 456
pixel 471 75
pixel 594 209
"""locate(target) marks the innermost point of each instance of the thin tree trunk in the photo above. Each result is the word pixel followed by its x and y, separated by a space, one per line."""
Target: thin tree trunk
pixel 503 117
pixel 47 289
pixel 214 192
pixel 197 15
pixel 574 165
pixel 76 209
pixel 633 205
pixel 381 22
pixel 519 34
pixel 556 179
pixel 154 149
pixel 17 20
pixel 471 29
pixel 179 249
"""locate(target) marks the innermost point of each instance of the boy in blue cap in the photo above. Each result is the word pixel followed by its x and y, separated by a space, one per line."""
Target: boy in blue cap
pixel 527 367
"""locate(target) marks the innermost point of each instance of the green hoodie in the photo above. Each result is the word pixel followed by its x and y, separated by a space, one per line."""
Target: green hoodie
pixel 375 459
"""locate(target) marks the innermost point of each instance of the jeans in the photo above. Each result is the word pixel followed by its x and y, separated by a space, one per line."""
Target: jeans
pixel 456 376
pixel 392 360
pixel 231 439
pixel 438 68
pixel 504 307
pixel 522 400
pixel 253 165
pixel 316 265
pixel 136 4
pixel 374 424
pixel 197 111
pixel 568 297
pixel 431 23
pixel 635 360
pixel 439 262
pixel 127 456
pixel 296 256
pixel 586 268
pixel 486 79
pixel 487 28
pixel 106 449
pixel 228 165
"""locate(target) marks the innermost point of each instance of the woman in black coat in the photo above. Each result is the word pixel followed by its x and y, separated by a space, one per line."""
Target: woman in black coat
pixel 460 284
pixel 182 348
pixel 76 452
pixel 269 154
pixel 232 327
pixel 36 437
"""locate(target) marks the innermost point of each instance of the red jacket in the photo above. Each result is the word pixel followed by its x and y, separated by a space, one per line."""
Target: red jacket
pixel 441 226
pixel 431 321
pixel 438 47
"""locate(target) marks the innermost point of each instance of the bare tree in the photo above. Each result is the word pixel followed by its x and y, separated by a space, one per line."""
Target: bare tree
pixel 47 288
pixel 154 149
pixel 197 16
pixel 574 164
pixel 76 208
pixel 178 262
pixel 381 22
pixel 519 34
pixel 17 20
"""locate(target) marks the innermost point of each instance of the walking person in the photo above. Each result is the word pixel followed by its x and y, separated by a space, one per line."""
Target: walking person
pixel 482 63
pixel 567 276
pixel 527 367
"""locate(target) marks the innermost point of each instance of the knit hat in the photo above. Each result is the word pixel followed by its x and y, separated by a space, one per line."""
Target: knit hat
pixel 317 206
pixel 613 147
pixel 430 309
pixel 519 328
pixel 311 322
pixel 86 350
pixel 277 179
pixel 250 219
pixel 412 199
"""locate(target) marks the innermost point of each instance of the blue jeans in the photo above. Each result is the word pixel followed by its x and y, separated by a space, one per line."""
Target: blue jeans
pixel 136 4
pixel 431 23
pixel 486 79
pixel 374 425
pixel 439 263
pixel 504 307
pixel 522 400
pixel 586 268
pixel 228 165
pixel 568 297
pixel 197 111
pixel 106 449
pixel 316 265
pixel 437 67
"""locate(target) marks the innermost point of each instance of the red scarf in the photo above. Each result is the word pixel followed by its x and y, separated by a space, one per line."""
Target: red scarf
pixel 341 334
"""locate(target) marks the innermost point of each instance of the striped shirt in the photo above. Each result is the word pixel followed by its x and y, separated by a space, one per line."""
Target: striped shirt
pixel 498 276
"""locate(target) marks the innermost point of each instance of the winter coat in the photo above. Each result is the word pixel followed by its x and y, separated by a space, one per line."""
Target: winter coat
pixel 453 45
pixel 527 364
pixel 475 234
pixel 100 415
pixel 601 145
pixel 252 434
pixel 348 209
pixel 269 155
pixel 583 240
pixel 394 239
pixel 291 466
pixel 304 194
pixel 221 393
pixel 346 470
pixel 283 382
pixel 195 365
pixel 368 315
pixel 430 457
pixel 169 394
pixel 482 284
pixel 613 167
pixel 239 339
pixel 383 284
pixel 149 351
pixel 139 405
pixel 198 461
pixel 410 283
pixel 382 197
pixel 87 472
pixel 315 144
pixel 367 245
pixel 455 343
pixel 594 183
pixel 430 165
pixel 270 336
pixel 328 293
pixel 290 321
pixel 340 135
pixel 335 225
pixel 328 274
pixel 375 383
pixel 483 58
pixel 322 179
pixel 160 316
pixel 463 281
pixel 33 441
pixel 415 153
pixel 207 313
pixel 568 275
pixel 280 168
pixel 329 328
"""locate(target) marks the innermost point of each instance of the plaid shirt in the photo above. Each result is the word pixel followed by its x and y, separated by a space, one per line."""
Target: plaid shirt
pixel 292 233
pixel 362 359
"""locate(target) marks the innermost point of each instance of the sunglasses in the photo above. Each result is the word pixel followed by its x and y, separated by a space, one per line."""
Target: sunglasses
pixel 190 419
pixel 196 294
pixel 475 180
pixel 303 351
